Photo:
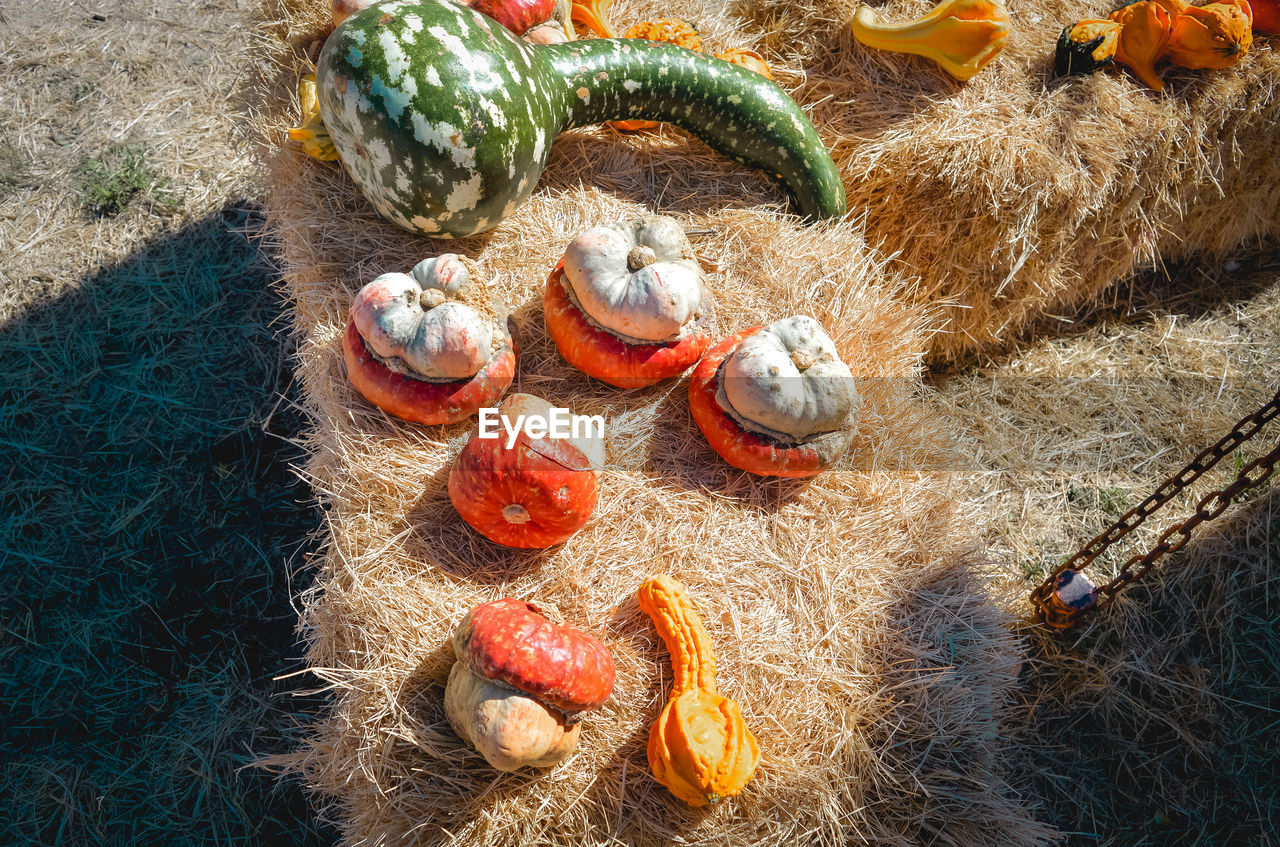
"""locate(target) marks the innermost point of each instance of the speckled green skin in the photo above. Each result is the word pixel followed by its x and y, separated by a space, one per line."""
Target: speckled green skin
pixel 445 120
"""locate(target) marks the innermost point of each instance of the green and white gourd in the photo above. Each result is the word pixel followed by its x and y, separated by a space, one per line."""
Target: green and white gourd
pixel 411 324
pixel 786 381
pixel 638 279
pixel 444 119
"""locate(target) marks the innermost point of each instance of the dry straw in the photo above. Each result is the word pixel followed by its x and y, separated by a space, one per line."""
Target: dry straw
pixel 1016 196
pixel 848 620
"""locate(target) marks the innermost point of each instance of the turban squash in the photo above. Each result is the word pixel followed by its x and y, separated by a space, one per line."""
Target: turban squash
pixel 522 682
pixel 776 400
pixel 628 303
pixel 428 346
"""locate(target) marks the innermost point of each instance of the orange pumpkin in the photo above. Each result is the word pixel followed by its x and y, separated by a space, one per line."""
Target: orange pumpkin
pixel 530 493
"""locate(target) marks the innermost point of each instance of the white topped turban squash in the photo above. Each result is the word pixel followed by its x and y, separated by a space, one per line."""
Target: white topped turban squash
pixel 776 400
pixel 522 682
pixel 629 304
pixel 417 349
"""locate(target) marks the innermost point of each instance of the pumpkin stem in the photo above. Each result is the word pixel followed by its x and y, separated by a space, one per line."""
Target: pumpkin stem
pixel 641 256
pixel 803 359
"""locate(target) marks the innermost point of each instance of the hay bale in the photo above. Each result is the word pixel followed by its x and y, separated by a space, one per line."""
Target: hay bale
pixel 1015 196
pixel 849 621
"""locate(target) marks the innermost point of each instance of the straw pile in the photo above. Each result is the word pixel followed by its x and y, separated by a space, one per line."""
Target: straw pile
pixel 1015 196
pixel 848 620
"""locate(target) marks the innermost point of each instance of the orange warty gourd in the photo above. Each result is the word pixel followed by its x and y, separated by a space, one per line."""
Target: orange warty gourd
pixel 594 15
pixel 700 748
pixel 1144 34
pixel 749 59
pixel 1194 37
pixel 1212 36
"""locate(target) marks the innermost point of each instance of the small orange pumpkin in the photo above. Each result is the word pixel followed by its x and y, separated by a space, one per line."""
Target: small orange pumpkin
pixel 529 493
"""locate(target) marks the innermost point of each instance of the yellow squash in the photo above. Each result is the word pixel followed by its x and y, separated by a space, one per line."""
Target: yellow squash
pixel 312 134
pixel 962 36
pixel 700 748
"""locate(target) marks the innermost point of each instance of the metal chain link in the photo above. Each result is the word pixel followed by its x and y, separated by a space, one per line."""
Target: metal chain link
pixel 1060 616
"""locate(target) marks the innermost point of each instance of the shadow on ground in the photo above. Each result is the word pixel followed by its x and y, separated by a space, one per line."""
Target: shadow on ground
pixel 1156 724
pixel 149 525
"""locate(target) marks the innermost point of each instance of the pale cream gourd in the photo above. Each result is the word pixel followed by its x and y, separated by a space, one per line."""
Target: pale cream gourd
pixel 410 323
pixel 639 279
pixel 788 379
pixel 510 729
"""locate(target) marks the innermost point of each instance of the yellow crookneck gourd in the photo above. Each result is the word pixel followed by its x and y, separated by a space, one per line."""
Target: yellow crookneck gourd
pixel 700 748
pixel 312 134
pixel 962 36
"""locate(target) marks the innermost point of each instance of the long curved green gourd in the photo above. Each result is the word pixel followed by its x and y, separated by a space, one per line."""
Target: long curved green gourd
pixel 445 120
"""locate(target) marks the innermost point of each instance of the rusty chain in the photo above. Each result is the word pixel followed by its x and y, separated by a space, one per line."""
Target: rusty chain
pixel 1062 615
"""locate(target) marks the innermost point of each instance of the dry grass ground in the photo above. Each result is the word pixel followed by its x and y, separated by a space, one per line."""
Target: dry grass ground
pixel 148 517
pixel 1155 724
